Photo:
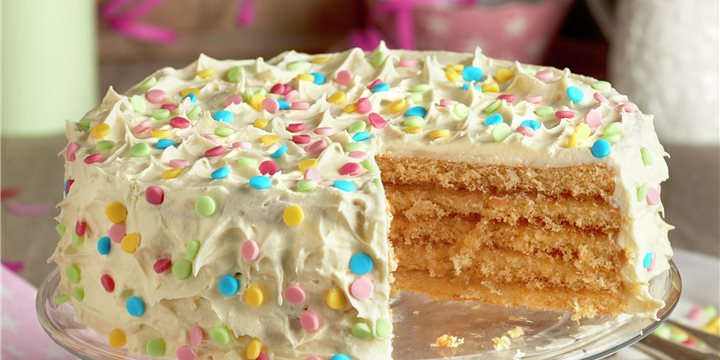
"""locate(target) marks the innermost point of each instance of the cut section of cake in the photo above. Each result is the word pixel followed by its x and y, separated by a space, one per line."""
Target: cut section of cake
pixel 269 209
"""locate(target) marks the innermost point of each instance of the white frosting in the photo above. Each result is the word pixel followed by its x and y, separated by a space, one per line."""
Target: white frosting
pixel 338 224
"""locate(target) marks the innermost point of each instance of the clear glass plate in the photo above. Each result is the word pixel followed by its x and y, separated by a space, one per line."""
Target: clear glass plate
pixel 418 321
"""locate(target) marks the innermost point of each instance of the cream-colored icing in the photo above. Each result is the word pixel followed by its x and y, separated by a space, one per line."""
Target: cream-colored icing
pixel 337 224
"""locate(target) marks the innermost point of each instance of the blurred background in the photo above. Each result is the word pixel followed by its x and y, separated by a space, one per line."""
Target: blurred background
pixel 59 57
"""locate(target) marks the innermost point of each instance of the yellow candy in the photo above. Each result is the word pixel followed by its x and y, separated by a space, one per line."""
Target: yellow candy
pixel 293 215
pixel 171 173
pixel 161 134
pixel 438 134
pixel 100 131
pixel 413 129
pixel 254 296
pixel 116 212
pixel 116 338
pixel 349 109
pixel 458 67
pixel 451 74
pixel 186 92
pixel 253 349
pixel 397 105
pixel 130 243
pixel 206 73
pixel 268 140
pixel 307 163
pixel 491 87
pixel 335 299
pixel 256 101
pixel 337 98
pixel 713 326
pixel 582 132
pixel 319 59
pixel 305 77
pixel 503 75
pixel 261 123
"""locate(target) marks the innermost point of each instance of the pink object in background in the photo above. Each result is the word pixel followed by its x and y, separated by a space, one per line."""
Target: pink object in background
pixel 22 336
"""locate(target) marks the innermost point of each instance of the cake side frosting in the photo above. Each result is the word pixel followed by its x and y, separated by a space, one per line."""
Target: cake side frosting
pixel 210 161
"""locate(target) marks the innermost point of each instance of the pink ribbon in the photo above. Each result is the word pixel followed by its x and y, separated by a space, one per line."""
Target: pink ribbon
pixel 368 38
pixel 122 16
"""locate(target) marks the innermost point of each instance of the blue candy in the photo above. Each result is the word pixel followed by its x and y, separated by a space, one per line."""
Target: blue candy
pixel 380 87
pixel 318 78
pixel 361 264
pixel 575 94
pixel 344 185
pixel 223 115
pixel 360 136
pixel 416 111
pixel 228 285
pixel 103 245
pixel 466 87
pixel 647 260
pixel 260 182
pixel 493 119
pixel 472 73
pixel 601 148
pixel 220 173
pixel 284 105
pixel 340 357
pixel 164 143
pixel 135 306
pixel 192 97
pixel 281 150
pixel 531 124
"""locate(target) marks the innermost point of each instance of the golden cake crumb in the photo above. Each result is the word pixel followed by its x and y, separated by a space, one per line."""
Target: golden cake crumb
pixel 501 343
pixel 416 312
pixel 448 341
pixel 516 332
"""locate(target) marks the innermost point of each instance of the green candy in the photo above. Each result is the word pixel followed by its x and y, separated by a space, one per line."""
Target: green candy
pixel 140 150
pixel 61 299
pixel 461 111
pixel 191 249
pixel 261 91
pixel 60 228
pixel 421 88
pixel 77 240
pixel 247 95
pixel 274 96
pixel 223 131
pixel 355 146
pixel 356 126
pixel 72 272
pixel 182 269
pixel 493 107
pixel 194 113
pixel 247 162
pixel 148 83
pixel 298 65
pixel 642 192
pixel 104 145
pixel 85 123
pixel 501 131
pixel 361 331
pixel 205 205
pixel 306 185
pixel 220 335
pixel 161 114
pixel 544 110
pixel 369 166
pixel 378 58
pixel 155 347
pixel 383 328
pixel 415 98
pixel 601 86
pixel 413 121
pixel 78 293
pixel 646 157
pixel 138 103
pixel 233 75
pixel 613 132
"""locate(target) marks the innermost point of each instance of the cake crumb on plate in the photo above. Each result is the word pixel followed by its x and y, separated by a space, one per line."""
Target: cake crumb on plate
pixel 448 341
pixel 516 332
pixel 501 343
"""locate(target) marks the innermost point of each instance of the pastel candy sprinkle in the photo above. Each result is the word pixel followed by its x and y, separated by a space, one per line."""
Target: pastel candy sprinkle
pixel 309 321
pixel 461 111
pixel 533 99
pixel 383 328
pixel 298 65
pixel 103 245
pixel 344 185
pixel 296 127
pixel 527 131
pixel 215 151
pixel 60 229
pixel 116 338
pixel 343 77
pixel 361 136
pixel 270 105
pixel 501 131
pixel 220 173
pixel 361 263
pixel 104 145
pixel 250 250
pixel 544 75
pixel 493 107
pixel 253 350
pixel 80 228
pixel 502 75
pixel 148 83
pixel 78 293
pixel 186 352
pixel 233 74
pixel 324 131
pixel 337 98
pixel 361 331
pixel 493 119
pixel 362 288
pixel 196 335
pixel 306 185
pixel 293 215
pixel 154 195
pixel 116 212
pixel 564 114
pixel 356 126
pixel 335 299
pixel 71 150
pixel 135 306
pixel 340 357
pixel 626 107
pixel 107 282
pixel 142 128
pixel 301 139
pixel 100 131
pixel 646 158
pixel 613 132
pixel 140 150
pixel 246 162
pixel 593 118
pixel 254 296
pixel 179 122
pixel 205 205
pixel 601 148
pixel 155 347
pixel 93 159
pixel 380 87
pixel 279 152
pixel 164 143
pixel 653 196
pixel 182 269
pixel 294 294
pixel 130 243
pixel 117 232
pixel 533 124
pixel 472 73
pixel 192 249
pixel 228 285
pixel 575 94
pixel 416 111
pixel 138 103
pixel 351 169
pixel 648 260
pixel 268 167
pixel 363 106
pixel 223 131
pixel 160 114
pixel 602 86
pixel 378 58
pixel 543 111
pixel 162 265
pixel 223 115
pixel 260 182
pixel 72 273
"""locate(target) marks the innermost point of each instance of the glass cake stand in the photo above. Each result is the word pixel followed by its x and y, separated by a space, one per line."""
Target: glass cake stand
pixel 418 322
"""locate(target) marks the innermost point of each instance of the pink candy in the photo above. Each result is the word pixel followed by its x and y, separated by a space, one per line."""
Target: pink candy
pixel 280 89
pixel 324 131
pixel 155 96
pixel 233 99
pixel 447 102
pixel 186 352
pixel 154 195
pixel 296 127
pixel 162 265
pixel 196 335
pixel 292 96
pixel 404 62
pixel 72 148
pixel 300 105
pixel 544 75
pixel 94 158
pixel 117 232
pixel 316 147
pixel 377 121
pixel 250 250
pixel 295 295
pixel 564 114
pixel 141 128
pixel 107 283
pixel 533 99
pixel 169 107
pixel 312 174
pixel 80 228
pixel 351 168
pixel 343 77
pixel 179 163
pixel 241 145
pixel 361 288
pixel 374 83
pixel 626 107
pixel 599 98
pixel 301 139
pixel 310 321
pixel 212 138
pixel 507 97
pixel 358 154
pixel 653 196
pixel 593 118
pixel 179 122
pixel 268 167
pixel 215 151
pixel 263 356
pixel 526 130
pixel 363 105
pixel 270 105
